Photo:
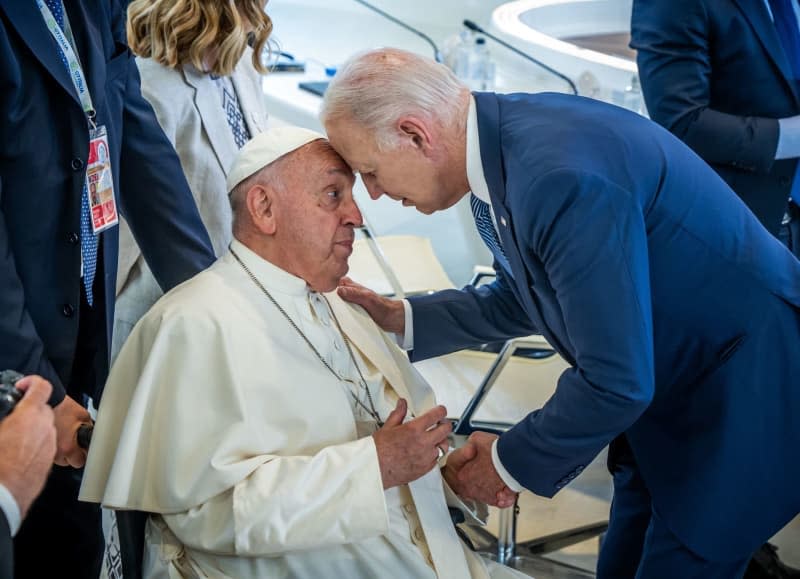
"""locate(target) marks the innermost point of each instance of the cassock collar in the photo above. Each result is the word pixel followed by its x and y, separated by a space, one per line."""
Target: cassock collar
pixel 475 176
pixel 269 274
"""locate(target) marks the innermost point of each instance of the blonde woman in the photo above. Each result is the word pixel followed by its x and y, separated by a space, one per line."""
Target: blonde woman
pixel 204 82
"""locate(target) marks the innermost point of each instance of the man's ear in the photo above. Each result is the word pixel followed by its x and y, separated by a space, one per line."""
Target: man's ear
pixel 415 131
pixel 261 208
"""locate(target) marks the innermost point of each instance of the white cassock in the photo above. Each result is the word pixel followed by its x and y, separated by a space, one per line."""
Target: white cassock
pixel 253 457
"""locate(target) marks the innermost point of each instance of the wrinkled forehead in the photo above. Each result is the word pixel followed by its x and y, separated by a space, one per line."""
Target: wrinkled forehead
pixel 320 158
pixel 315 164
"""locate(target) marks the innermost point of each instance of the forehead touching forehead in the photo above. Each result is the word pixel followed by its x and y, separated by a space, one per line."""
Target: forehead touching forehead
pixel 317 160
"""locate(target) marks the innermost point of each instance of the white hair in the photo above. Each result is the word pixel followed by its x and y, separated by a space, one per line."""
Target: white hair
pixel 377 87
pixel 269 175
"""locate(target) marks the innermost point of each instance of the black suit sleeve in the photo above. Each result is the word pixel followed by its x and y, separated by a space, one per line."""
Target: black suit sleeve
pixel 22 348
pixel 674 46
pixel 6 549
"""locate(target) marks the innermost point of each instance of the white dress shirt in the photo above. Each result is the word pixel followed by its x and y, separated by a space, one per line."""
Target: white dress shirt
pixel 11 509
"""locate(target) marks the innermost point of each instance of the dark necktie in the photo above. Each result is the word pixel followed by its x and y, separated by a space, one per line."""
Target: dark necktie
pixel 486 229
pixel 88 238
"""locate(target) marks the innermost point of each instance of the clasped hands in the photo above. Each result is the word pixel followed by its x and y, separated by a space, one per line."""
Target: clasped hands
pixel 471 474
pixel 409 450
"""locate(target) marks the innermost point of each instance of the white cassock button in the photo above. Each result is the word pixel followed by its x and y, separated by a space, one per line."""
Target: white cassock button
pixel 337 345
pixel 418 534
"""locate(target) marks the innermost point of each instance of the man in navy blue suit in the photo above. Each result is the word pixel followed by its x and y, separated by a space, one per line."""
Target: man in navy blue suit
pixel 677 311
pixel 725 78
pixel 69 91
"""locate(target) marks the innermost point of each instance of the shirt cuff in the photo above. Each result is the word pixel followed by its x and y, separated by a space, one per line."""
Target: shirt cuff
pixel 406 341
pixel 788 138
pixel 11 509
pixel 510 481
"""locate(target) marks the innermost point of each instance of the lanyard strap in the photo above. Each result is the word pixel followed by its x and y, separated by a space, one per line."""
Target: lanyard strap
pixel 74 65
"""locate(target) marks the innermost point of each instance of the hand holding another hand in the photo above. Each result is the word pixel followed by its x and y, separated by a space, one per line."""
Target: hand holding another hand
pixel 471 474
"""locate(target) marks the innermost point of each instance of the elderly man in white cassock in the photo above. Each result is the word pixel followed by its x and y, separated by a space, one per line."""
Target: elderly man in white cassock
pixel 269 428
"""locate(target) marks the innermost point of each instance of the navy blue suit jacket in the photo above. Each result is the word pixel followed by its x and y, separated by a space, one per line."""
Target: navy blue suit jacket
pixel 714 73
pixel 678 311
pixel 44 143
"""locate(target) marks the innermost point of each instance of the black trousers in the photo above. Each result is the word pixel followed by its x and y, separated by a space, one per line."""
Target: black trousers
pixel 62 537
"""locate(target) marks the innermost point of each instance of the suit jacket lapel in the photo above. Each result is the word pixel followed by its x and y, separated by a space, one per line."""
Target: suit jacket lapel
pixel 248 91
pixel 756 13
pixel 90 53
pixel 488 110
pixel 208 104
pixel 26 18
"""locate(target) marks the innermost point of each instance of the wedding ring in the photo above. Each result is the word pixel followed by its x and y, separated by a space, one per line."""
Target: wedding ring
pixel 441 452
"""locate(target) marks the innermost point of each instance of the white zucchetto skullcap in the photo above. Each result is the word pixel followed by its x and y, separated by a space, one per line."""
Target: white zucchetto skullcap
pixel 265 148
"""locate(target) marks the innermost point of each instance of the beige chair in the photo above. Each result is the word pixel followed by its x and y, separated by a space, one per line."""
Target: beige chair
pixel 396 265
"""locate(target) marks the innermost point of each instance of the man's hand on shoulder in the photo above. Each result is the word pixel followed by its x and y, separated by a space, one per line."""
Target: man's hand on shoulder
pixel 407 451
pixel 387 313
pixel 69 417
pixel 28 443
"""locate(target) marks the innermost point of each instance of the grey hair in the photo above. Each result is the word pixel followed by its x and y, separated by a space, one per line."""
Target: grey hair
pixel 267 176
pixel 377 87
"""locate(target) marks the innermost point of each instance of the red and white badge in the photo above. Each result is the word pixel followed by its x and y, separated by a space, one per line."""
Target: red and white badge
pixel 99 184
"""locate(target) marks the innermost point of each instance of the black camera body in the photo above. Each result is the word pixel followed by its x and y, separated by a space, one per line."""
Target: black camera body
pixel 9 395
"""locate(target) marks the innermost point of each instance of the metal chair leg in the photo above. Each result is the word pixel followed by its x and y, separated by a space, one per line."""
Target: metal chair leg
pixel 507 534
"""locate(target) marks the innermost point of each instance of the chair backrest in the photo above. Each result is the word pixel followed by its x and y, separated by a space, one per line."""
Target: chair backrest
pixel 397 265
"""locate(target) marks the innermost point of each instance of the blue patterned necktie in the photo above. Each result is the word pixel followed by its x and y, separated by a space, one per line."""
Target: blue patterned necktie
pixel 88 238
pixel 233 110
pixel 486 229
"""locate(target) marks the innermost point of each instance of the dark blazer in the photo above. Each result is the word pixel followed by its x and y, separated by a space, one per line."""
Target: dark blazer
pixel 678 311
pixel 44 144
pixel 714 73
pixel 6 549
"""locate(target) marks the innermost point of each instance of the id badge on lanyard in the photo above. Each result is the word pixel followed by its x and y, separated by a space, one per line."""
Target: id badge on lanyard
pixel 99 183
